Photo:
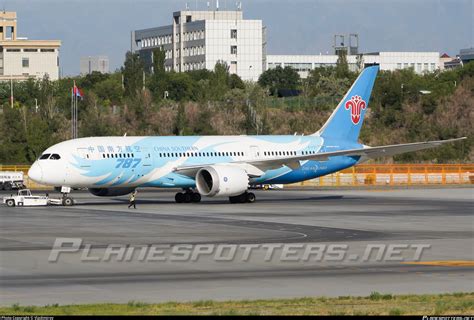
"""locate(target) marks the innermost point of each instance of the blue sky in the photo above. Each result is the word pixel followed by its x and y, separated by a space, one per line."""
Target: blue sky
pixel 93 27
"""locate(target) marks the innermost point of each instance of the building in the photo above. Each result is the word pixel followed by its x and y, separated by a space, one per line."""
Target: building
pixel 21 58
pixel 199 39
pixel 305 63
pixel 444 61
pixel 94 63
pixel 419 61
pixel 466 55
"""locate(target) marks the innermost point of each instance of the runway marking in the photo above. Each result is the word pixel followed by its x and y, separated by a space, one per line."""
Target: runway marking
pixel 445 263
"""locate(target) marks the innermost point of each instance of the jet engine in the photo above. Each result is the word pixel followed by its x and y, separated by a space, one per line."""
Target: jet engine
pixel 221 180
pixel 110 192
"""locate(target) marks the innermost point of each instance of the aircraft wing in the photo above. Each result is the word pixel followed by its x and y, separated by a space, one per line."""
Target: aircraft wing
pixel 258 167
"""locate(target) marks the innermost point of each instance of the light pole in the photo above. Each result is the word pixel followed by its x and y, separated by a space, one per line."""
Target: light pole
pixel 11 91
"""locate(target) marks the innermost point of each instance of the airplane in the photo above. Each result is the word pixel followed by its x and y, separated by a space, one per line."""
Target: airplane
pixel 216 166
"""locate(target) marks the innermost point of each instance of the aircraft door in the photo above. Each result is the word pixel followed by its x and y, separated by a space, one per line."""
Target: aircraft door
pixel 254 152
pixel 83 153
pixel 147 161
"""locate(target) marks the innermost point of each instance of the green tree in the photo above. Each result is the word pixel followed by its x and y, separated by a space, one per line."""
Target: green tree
pixel 342 67
pixel 159 79
pixel 219 81
pixel 110 90
pixel 235 82
pixel 279 78
pixel 180 86
pixel 90 80
pixel 132 74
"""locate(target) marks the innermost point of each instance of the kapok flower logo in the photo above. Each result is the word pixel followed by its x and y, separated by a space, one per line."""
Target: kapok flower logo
pixel 356 104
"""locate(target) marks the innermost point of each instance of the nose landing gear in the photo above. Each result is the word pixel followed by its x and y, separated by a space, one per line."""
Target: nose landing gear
pixel 66 200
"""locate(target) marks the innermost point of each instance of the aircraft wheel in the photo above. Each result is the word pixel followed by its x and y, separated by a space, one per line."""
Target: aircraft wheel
pixel 68 202
pixel 187 197
pixel 11 203
pixel 251 197
pixel 179 197
pixel 242 198
pixel 196 197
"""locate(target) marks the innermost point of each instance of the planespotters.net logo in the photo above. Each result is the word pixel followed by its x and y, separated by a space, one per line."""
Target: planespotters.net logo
pixel 270 252
pixel 356 104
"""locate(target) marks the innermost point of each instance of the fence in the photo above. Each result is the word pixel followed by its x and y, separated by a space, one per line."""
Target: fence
pixel 396 175
pixel 362 175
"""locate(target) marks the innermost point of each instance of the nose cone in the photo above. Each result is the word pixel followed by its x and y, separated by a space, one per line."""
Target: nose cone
pixel 36 173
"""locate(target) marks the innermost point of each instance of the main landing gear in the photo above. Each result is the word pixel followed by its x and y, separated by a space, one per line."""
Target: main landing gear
pixel 243 198
pixel 187 196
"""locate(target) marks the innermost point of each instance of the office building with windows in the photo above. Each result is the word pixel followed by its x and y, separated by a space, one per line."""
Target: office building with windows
pixel 94 63
pixel 199 39
pixel 21 58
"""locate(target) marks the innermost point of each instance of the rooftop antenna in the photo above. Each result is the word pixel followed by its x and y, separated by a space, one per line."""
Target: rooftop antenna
pixel 217 5
pixel 208 5
pixel 187 6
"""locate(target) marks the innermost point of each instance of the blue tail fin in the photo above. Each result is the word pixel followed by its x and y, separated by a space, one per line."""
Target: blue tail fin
pixel 345 122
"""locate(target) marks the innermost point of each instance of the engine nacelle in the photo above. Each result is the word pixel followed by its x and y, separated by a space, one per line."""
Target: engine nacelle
pixel 110 192
pixel 221 180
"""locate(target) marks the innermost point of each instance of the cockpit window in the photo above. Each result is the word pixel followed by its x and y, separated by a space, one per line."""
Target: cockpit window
pixel 55 156
pixel 45 156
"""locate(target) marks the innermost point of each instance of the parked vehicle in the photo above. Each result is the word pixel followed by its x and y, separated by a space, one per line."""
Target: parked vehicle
pixel 11 180
pixel 25 198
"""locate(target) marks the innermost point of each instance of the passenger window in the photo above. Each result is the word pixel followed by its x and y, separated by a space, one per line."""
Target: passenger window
pixel 45 156
pixel 55 156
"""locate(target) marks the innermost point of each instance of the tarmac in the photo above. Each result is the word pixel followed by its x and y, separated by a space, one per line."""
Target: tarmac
pixel 289 221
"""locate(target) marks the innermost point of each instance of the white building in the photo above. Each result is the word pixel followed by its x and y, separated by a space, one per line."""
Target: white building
pixel 419 61
pixel 94 63
pixel 21 58
pixel 198 39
